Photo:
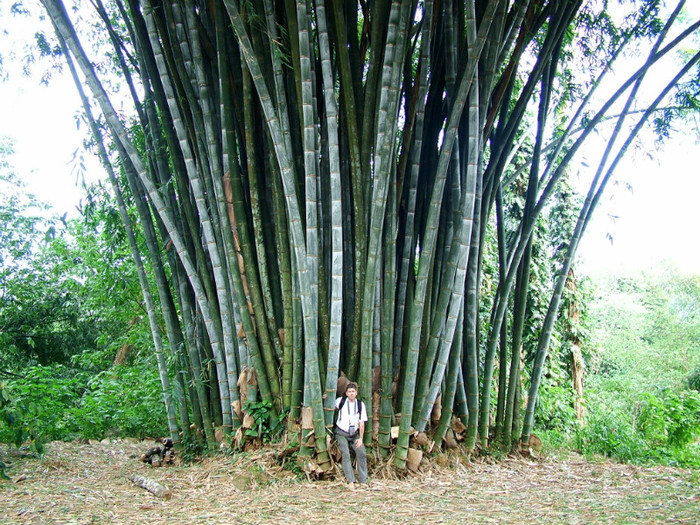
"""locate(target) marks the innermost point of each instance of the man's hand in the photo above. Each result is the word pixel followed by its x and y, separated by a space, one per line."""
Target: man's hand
pixel 358 443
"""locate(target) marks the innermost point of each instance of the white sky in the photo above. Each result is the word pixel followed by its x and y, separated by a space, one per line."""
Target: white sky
pixel 656 220
pixel 40 119
pixel 653 215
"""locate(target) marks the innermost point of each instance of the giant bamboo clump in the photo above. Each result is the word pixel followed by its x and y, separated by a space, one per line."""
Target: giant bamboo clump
pixel 320 185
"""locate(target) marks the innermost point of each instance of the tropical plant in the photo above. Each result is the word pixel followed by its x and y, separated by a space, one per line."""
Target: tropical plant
pixel 63 403
pixel 123 401
pixel 15 427
pixel 266 425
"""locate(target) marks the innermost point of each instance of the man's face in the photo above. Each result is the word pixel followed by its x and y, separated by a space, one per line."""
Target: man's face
pixel 351 393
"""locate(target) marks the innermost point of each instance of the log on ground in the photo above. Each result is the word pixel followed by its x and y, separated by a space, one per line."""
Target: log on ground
pixel 151 486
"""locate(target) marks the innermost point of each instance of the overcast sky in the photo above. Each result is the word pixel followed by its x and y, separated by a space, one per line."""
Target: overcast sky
pixel 651 214
pixel 656 219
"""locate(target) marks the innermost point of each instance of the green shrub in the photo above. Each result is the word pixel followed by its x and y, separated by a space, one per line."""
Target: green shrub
pixel 266 427
pixel 671 419
pixel 555 409
pixel 612 434
pixel 15 427
pixel 60 403
pixel 657 429
pixel 39 403
pixel 646 329
pixel 125 401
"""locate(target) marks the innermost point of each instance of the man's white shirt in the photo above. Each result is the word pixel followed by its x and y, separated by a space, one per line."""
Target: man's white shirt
pixel 348 416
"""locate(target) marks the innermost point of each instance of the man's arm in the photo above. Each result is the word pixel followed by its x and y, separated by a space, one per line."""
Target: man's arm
pixel 358 442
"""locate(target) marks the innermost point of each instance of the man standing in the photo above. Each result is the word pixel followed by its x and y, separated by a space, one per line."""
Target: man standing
pixel 349 432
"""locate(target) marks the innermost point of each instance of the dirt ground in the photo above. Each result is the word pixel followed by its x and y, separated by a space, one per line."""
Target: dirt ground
pixel 89 483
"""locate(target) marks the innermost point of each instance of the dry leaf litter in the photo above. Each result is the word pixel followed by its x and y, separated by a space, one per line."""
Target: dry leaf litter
pixel 78 483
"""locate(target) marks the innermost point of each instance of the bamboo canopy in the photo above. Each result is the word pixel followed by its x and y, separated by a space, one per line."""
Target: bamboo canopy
pixel 327 186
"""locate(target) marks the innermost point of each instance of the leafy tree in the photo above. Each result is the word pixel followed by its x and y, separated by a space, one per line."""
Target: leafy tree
pixel 37 320
pixel 314 185
pixel 58 284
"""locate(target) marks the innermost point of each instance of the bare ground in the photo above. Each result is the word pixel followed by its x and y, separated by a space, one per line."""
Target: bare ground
pixel 89 483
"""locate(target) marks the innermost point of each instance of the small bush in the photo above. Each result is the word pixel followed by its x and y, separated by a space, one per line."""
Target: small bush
pixel 266 427
pixel 671 419
pixel 661 428
pixel 15 427
pixel 39 402
pixel 124 401
pixel 60 403
pixel 555 409
pixel 613 435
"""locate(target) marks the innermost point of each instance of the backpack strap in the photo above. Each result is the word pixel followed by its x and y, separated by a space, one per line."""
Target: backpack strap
pixel 340 407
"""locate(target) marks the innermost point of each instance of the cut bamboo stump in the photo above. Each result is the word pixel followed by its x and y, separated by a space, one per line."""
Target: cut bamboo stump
pixel 413 459
pixel 151 486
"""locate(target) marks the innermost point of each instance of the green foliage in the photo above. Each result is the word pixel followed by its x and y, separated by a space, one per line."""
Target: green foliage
pixel 266 426
pixel 190 449
pixel 555 410
pixel 41 398
pixel 640 397
pixel 694 380
pixel 64 289
pixel 611 433
pixel 649 325
pixel 123 401
pixel 32 305
pixel 15 427
pixel 660 429
pixel 60 403
pixel 670 419
pixel 69 300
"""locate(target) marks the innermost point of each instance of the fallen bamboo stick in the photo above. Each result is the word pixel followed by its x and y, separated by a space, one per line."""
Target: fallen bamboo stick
pixel 151 486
